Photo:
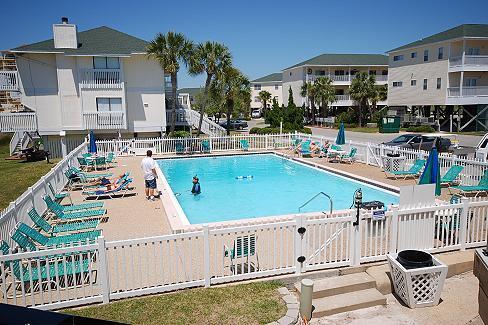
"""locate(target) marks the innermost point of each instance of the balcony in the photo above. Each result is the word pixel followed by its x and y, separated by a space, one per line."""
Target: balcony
pixel 345 79
pixel 471 63
pixel 469 95
pixel 101 79
pixel 9 81
pixel 104 120
pixel 13 122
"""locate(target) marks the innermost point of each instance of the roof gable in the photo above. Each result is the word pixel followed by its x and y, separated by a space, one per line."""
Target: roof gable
pixel 466 30
pixel 97 41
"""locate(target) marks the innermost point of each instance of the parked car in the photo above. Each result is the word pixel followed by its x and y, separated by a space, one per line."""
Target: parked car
pixel 482 148
pixel 420 142
pixel 256 113
pixel 234 124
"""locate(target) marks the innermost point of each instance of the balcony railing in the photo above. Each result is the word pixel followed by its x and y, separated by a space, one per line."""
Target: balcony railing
pixel 13 122
pixel 104 120
pixel 471 60
pixel 101 78
pixel 345 78
pixel 467 91
pixel 342 98
pixel 9 80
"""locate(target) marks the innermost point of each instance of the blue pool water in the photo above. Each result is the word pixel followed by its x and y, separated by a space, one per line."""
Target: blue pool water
pixel 278 186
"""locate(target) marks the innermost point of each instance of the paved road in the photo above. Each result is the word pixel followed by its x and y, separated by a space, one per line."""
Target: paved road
pixel 465 140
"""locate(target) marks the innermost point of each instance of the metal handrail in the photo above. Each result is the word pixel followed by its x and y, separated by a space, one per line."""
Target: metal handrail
pixel 313 198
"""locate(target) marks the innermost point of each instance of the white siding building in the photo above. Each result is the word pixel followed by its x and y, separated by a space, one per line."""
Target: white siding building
pixel 437 74
pixel 99 79
pixel 341 68
pixel 272 84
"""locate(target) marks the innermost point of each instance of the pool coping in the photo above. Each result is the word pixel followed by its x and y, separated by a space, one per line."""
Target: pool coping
pixel 179 222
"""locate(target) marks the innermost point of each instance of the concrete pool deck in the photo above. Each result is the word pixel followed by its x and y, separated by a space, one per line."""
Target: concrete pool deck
pixel 136 217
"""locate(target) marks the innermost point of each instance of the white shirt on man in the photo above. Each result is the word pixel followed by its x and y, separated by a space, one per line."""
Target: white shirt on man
pixel 147 165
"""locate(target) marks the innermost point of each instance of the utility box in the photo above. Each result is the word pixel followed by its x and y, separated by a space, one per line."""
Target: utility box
pixel 390 124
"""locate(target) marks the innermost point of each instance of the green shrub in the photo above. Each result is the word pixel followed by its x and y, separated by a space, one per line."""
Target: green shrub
pixel 421 129
pixel 272 130
pixel 347 117
pixel 254 130
pixel 180 134
pixel 306 130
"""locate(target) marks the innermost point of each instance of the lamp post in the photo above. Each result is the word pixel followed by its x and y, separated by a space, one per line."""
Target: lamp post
pixel 358 200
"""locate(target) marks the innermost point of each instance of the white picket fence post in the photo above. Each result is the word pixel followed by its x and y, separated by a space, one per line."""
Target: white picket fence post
pixel 206 255
pixel 394 231
pixel 356 240
pixel 103 270
pixel 463 223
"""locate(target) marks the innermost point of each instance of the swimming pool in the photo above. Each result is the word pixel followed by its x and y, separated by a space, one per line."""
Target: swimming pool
pixel 278 186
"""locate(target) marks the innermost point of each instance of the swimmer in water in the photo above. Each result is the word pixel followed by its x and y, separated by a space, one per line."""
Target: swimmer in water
pixel 195 190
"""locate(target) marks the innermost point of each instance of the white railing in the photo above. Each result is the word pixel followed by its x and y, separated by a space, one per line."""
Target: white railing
pixel 104 120
pixel 101 78
pixel 213 255
pixel 342 98
pixel 19 140
pixel 344 78
pixel 381 77
pixel 17 210
pixel 13 122
pixel 468 91
pixel 192 117
pixel 9 80
pixel 456 61
pixel 476 59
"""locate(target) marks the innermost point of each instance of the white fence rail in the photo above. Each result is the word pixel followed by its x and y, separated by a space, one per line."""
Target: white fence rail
pixel 9 80
pixel 104 120
pixel 101 78
pixel 192 118
pixel 13 122
pixel 106 270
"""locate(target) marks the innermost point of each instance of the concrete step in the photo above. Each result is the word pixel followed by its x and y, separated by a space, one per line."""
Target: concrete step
pixel 347 302
pixel 340 284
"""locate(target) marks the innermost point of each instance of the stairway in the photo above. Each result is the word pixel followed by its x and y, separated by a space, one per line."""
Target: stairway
pixel 344 293
pixel 186 116
pixel 20 140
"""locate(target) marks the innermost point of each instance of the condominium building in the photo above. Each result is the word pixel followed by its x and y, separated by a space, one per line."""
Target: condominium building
pixel 341 68
pixel 438 74
pixel 99 79
pixel 187 96
pixel 272 84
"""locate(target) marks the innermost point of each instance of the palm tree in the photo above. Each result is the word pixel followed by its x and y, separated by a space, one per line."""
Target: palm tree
pixel 211 58
pixel 325 92
pixel 362 90
pixel 233 87
pixel 264 96
pixel 309 91
pixel 380 95
pixel 170 50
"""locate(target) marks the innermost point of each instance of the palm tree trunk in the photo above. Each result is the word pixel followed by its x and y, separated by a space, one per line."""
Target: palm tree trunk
pixel 174 87
pixel 205 100
pixel 312 105
pixel 230 105
pixel 360 113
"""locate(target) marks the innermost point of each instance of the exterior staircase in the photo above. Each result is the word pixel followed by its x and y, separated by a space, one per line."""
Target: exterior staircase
pixel 188 117
pixel 344 293
pixel 20 140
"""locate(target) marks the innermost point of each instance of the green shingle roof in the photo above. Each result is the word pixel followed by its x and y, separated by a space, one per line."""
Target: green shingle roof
pixel 100 40
pixel 270 78
pixel 345 59
pixel 466 30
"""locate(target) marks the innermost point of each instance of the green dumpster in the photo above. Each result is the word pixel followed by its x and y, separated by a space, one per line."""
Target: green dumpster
pixel 390 124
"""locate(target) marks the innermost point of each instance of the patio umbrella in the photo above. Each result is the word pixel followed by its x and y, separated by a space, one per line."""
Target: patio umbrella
pixel 341 136
pixel 431 173
pixel 92 148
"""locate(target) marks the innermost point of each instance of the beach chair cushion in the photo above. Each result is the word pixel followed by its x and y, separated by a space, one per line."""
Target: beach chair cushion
pixel 452 174
pixel 58 240
pixel 60 228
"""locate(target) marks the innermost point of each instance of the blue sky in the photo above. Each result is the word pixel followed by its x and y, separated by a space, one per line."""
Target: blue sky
pixel 263 36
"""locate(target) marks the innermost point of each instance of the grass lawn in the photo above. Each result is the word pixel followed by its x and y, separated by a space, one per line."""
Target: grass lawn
pixel 15 175
pixel 252 303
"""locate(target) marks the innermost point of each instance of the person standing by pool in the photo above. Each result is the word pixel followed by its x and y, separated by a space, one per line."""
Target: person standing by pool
pixel 148 166
pixel 195 190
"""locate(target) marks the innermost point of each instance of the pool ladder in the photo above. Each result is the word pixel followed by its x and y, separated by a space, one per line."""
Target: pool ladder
pixel 313 198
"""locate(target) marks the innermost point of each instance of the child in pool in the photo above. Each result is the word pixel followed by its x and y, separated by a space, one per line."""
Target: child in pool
pixel 195 190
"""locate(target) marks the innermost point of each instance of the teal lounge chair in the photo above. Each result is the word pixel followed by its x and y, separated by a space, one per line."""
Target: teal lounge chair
pixel 120 191
pixel 414 171
pixel 40 273
pixel 305 150
pixel 179 147
pixel 110 160
pixel 23 241
pixel 79 172
pixel 243 247
pixel 84 163
pixel 205 146
pixel 59 196
pixel 58 240
pixel 72 208
pixel 84 214
pixel 101 187
pixel 350 156
pixel 65 227
pixel 451 176
pixel 482 186
pixel 244 144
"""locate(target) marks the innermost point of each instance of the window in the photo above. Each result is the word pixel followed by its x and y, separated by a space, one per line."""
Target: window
pixel 398 58
pixel 426 55
pixel 384 72
pixel 339 72
pixel 413 82
pixel 413 55
pixel 277 86
pixel 102 62
pixel 107 105
pixel 473 51
pixel 439 83
pixel 372 73
pixel 257 87
pixel 425 84
pixel 320 72
pixel 440 54
pixel 470 82
pixel 397 83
